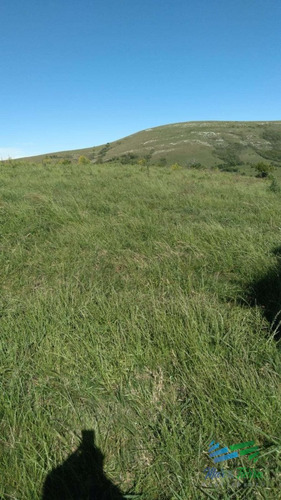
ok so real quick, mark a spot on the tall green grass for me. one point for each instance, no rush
(124, 310)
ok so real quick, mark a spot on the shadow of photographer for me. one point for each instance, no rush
(81, 476)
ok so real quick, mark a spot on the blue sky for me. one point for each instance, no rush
(81, 73)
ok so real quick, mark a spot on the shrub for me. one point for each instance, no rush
(65, 162)
(195, 164)
(175, 166)
(162, 162)
(263, 169)
(128, 158)
(83, 160)
(270, 154)
(142, 162)
(228, 168)
(46, 161)
(274, 186)
(230, 154)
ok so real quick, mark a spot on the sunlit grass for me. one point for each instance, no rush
(124, 310)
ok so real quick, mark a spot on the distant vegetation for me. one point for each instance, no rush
(229, 146)
(230, 154)
(273, 137)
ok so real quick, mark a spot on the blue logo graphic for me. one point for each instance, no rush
(219, 454)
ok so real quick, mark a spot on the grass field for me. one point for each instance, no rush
(132, 306)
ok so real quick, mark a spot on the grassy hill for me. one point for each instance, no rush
(205, 143)
(138, 305)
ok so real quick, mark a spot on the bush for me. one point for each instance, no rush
(104, 150)
(162, 162)
(175, 166)
(263, 169)
(274, 186)
(195, 164)
(65, 162)
(46, 161)
(230, 154)
(128, 158)
(228, 168)
(270, 154)
(83, 160)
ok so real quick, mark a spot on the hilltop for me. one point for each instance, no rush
(206, 143)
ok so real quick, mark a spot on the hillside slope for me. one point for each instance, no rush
(208, 143)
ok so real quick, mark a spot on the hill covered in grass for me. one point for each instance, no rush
(190, 143)
(137, 305)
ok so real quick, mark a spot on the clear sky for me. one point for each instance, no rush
(81, 73)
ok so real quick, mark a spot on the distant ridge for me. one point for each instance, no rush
(208, 143)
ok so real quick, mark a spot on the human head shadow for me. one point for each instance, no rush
(266, 293)
(81, 476)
